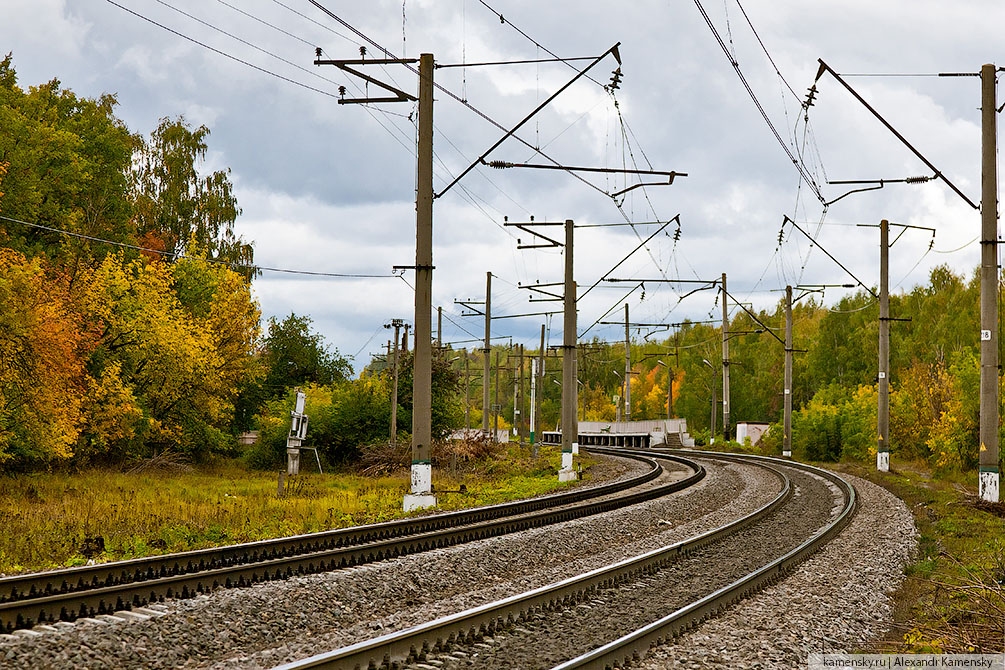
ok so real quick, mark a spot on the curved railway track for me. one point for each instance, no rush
(595, 620)
(69, 594)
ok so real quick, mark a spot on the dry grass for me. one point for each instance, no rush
(952, 600)
(60, 519)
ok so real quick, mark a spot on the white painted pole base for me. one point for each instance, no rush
(883, 461)
(422, 485)
(989, 486)
(575, 447)
(567, 474)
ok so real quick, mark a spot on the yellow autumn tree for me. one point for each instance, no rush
(165, 358)
(42, 375)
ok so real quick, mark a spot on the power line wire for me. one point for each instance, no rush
(757, 103)
(453, 95)
(540, 46)
(161, 252)
(223, 53)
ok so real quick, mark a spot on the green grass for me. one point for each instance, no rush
(50, 520)
(952, 600)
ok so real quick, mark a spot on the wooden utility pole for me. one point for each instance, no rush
(883, 410)
(725, 361)
(570, 425)
(628, 369)
(486, 349)
(787, 392)
(988, 454)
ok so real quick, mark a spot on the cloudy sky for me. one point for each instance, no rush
(330, 188)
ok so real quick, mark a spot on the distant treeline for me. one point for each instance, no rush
(934, 374)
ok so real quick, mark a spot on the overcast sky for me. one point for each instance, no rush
(330, 188)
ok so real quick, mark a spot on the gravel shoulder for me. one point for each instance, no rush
(837, 601)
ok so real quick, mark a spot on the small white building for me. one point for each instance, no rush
(753, 431)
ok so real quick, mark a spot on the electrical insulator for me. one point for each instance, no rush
(341, 91)
(810, 96)
(362, 52)
(317, 52)
(917, 180)
(615, 79)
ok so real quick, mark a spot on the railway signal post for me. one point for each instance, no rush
(297, 434)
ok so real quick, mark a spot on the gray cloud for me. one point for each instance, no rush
(330, 187)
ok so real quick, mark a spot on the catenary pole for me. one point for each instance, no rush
(988, 454)
(486, 350)
(539, 377)
(787, 392)
(725, 361)
(422, 476)
(396, 323)
(495, 405)
(883, 410)
(523, 388)
(467, 392)
(570, 424)
(628, 369)
(533, 402)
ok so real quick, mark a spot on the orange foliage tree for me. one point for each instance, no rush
(43, 344)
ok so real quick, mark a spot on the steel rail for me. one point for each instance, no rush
(400, 647)
(633, 646)
(106, 574)
(139, 581)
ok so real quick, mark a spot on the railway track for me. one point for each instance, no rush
(69, 594)
(609, 616)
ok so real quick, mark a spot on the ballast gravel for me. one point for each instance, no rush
(835, 602)
(277, 622)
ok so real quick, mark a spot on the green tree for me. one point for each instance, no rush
(67, 160)
(177, 209)
(447, 390)
(297, 355)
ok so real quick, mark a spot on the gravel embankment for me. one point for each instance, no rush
(548, 638)
(835, 602)
(272, 623)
